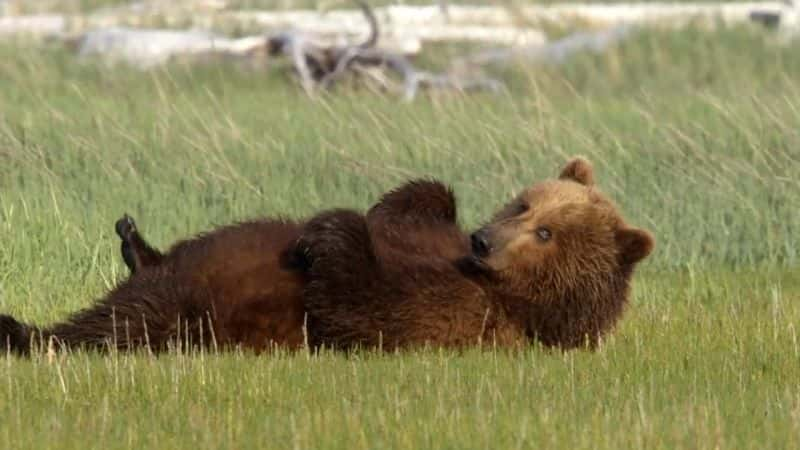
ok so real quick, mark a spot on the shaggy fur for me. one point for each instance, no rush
(232, 287)
(554, 265)
(417, 220)
(404, 274)
(235, 286)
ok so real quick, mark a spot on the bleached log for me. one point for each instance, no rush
(426, 28)
(652, 14)
(409, 18)
(147, 48)
(556, 52)
(398, 33)
(36, 26)
(405, 28)
(596, 14)
(365, 60)
(431, 16)
(657, 13)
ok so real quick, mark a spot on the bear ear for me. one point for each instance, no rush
(578, 170)
(634, 245)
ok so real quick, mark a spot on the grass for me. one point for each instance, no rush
(695, 135)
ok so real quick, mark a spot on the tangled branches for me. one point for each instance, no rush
(319, 67)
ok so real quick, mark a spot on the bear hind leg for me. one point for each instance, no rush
(136, 252)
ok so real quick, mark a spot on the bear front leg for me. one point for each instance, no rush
(344, 280)
(334, 241)
(421, 202)
(136, 252)
(417, 219)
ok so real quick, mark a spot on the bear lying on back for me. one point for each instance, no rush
(554, 265)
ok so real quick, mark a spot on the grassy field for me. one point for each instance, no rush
(695, 135)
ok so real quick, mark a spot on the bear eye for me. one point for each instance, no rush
(522, 208)
(544, 234)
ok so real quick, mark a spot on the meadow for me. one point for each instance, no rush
(694, 134)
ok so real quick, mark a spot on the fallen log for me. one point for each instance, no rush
(341, 26)
(360, 61)
(410, 19)
(145, 49)
(553, 53)
(36, 26)
(603, 15)
(319, 67)
(414, 24)
(591, 14)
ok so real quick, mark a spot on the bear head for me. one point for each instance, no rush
(561, 256)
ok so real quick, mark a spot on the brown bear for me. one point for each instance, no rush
(554, 266)
(243, 285)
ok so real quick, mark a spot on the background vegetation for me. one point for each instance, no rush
(694, 134)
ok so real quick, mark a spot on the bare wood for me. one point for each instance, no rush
(435, 22)
(552, 53)
(148, 48)
(319, 67)
(39, 25)
(335, 26)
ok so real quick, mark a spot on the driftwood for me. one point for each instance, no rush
(413, 79)
(594, 14)
(455, 22)
(319, 67)
(148, 48)
(320, 48)
(319, 64)
(406, 17)
(334, 26)
(428, 28)
(552, 53)
(39, 25)
(406, 28)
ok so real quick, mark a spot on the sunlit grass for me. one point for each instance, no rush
(694, 135)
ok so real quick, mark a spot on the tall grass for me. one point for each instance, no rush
(695, 135)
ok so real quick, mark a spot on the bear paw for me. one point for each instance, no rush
(418, 201)
(125, 227)
(337, 237)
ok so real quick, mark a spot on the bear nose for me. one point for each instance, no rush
(480, 243)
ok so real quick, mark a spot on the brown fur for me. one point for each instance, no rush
(396, 220)
(403, 275)
(235, 286)
(554, 265)
(231, 287)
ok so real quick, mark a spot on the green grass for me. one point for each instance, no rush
(695, 136)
